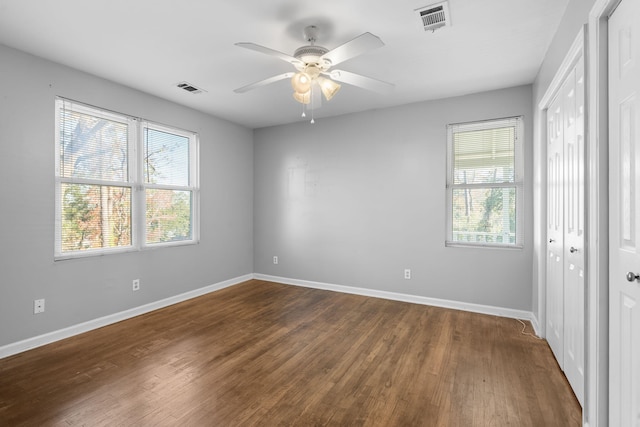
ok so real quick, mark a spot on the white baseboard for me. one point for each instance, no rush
(536, 325)
(40, 340)
(457, 305)
(29, 343)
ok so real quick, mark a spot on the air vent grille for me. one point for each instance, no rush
(434, 16)
(189, 87)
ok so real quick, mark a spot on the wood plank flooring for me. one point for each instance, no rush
(267, 354)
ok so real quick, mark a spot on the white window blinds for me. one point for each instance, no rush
(484, 183)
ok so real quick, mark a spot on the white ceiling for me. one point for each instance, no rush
(151, 45)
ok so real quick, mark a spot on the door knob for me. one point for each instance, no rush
(631, 276)
(572, 250)
(551, 240)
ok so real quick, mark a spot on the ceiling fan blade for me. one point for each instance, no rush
(361, 44)
(361, 81)
(264, 82)
(288, 58)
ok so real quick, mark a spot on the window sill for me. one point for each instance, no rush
(482, 246)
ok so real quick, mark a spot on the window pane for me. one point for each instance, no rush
(92, 147)
(484, 156)
(95, 216)
(166, 158)
(168, 215)
(484, 215)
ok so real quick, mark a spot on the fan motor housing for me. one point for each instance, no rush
(310, 54)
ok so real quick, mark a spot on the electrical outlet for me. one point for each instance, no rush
(407, 273)
(136, 285)
(275, 259)
(38, 306)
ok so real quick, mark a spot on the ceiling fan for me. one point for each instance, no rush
(314, 68)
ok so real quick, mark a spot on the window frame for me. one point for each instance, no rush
(193, 185)
(134, 181)
(518, 184)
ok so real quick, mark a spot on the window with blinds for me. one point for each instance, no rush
(110, 198)
(484, 183)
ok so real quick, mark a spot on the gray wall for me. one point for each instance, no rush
(354, 200)
(84, 289)
(350, 200)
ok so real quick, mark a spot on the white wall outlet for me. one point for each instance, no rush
(407, 273)
(275, 259)
(38, 306)
(136, 285)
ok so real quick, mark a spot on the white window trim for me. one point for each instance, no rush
(518, 184)
(135, 182)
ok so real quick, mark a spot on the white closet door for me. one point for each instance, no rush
(565, 227)
(624, 216)
(555, 229)
(574, 214)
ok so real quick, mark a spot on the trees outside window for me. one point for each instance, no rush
(109, 199)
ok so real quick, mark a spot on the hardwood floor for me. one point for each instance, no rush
(262, 353)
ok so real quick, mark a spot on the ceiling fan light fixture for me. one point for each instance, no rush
(302, 97)
(328, 87)
(312, 71)
(301, 82)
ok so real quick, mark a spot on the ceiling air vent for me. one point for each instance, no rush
(434, 16)
(189, 87)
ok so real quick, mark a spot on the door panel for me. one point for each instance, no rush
(624, 179)
(574, 231)
(555, 229)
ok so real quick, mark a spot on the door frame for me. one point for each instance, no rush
(576, 51)
(540, 168)
(596, 387)
(596, 397)
(597, 324)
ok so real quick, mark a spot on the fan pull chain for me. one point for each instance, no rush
(312, 119)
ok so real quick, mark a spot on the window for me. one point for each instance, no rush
(484, 183)
(121, 183)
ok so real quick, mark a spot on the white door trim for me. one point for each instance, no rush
(575, 52)
(596, 406)
(596, 410)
